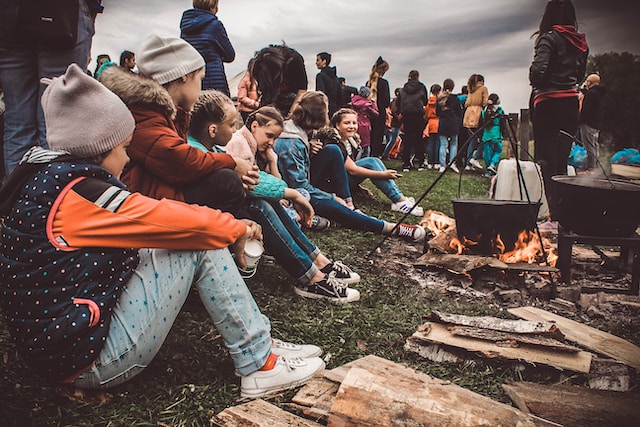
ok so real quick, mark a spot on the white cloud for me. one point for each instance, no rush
(440, 38)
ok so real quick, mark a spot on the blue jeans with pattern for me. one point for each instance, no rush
(152, 299)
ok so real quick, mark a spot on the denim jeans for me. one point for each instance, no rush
(432, 149)
(387, 186)
(284, 239)
(21, 69)
(475, 148)
(364, 152)
(152, 299)
(452, 143)
(391, 136)
(327, 171)
(336, 211)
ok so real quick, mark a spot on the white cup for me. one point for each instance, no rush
(253, 250)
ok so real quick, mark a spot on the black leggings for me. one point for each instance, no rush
(221, 189)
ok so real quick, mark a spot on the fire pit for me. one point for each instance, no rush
(482, 221)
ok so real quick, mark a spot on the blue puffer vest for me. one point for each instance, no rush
(57, 302)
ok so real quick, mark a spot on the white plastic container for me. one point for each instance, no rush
(507, 184)
(253, 251)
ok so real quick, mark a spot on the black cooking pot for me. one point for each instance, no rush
(592, 206)
(481, 220)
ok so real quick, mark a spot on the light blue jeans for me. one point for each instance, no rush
(387, 186)
(452, 143)
(21, 69)
(152, 299)
(284, 239)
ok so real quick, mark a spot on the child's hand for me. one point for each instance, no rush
(315, 145)
(254, 231)
(248, 172)
(304, 209)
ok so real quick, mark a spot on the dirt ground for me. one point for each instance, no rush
(610, 311)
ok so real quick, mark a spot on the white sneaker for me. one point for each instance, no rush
(408, 204)
(430, 166)
(455, 168)
(441, 169)
(475, 163)
(287, 373)
(289, 350)
(468, 168)
(414, 233)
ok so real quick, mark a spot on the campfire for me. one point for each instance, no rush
(527, 248)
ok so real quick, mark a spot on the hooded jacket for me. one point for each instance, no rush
(474, 104)
(559, 61)
(162, 163)
(205, 32)
(413, 97)
(367, 111)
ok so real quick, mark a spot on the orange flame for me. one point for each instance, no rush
(528, 249)
(436, 222)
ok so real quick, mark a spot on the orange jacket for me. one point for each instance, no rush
(431, 116)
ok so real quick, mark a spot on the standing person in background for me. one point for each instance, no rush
(345, 92)
(431, 130)
(281, 77)
(203, 30)
(327, 80)
(102, 58)
(449, 113)
(128, 60)
(393, 130)
(367, 112)
(493, 134)
(591, 118)
(248, 93)
(412, 99)
(381, 95)
(558, 66)
(23, 62)
(476, 101)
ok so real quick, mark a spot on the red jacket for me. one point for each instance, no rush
(162, 163)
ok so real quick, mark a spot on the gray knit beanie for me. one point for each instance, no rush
(83, 117)
(364, 91)
(165, 59)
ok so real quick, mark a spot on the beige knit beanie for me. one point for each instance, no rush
(83, 117)
(165, 59)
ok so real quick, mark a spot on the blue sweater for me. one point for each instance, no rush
(204, 31)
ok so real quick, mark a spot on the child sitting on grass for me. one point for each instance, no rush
(94, 276)
(212, 123)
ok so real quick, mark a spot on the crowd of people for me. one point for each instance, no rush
(108, 227)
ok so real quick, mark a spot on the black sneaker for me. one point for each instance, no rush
(341, 272)
(328, 288)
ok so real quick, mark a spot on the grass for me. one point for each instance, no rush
(192, 377)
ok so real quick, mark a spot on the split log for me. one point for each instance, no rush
(575, 406)
(495, 323)
(387, 394)
(458, 264)
(586, 336)
(442, 241)
(439, 334)
(259, 413)
(315, 399)
(505, 339)
(609, 374)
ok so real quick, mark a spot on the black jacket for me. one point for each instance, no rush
(557, 64)
(413, 97)
(327, 82)
(592, 107)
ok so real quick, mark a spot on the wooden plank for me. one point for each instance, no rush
(495, 323)
(505, 339)
(389, 394)
(338, 374)
(315, 399)
(258, 413)
(575, 406)
(591, 338)
(439, 334)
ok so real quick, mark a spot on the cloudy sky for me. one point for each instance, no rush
(439, 38)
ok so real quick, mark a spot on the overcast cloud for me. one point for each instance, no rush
(439, 38)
